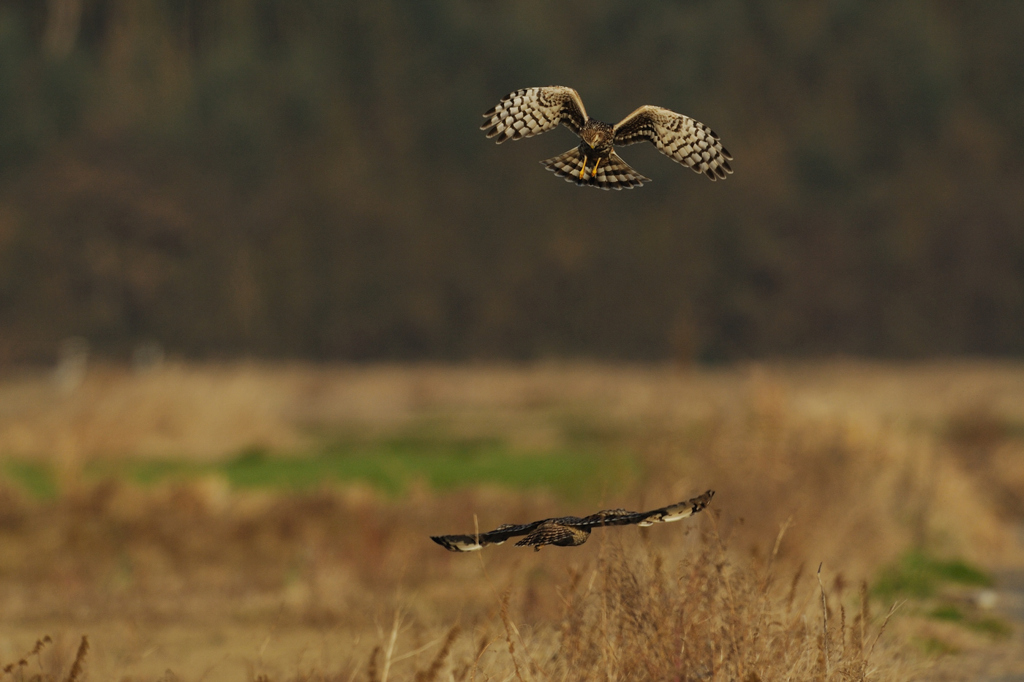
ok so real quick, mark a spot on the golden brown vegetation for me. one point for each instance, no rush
(854, 463)
(212, 410)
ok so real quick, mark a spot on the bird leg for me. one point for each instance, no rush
(584, 169)
(594, 172)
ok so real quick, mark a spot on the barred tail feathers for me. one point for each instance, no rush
(567, 165)
(612, 173)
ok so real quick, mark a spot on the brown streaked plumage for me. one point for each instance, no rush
(531, 111)
(571, 531)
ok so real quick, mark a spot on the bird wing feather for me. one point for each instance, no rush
(551, 531)
(678, 511)
(531, 111)
(610, 517)
(473, 542)
(680, 138)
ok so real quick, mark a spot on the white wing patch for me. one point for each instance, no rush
(676, 512)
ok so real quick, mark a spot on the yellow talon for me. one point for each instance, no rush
(594, 172)
(584, 169)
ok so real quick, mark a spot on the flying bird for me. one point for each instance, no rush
(571, 531)
(531, 111)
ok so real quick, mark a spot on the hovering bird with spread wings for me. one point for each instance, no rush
(531, 111)
(571, 531)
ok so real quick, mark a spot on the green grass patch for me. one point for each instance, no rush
(37, 479)
(992, 626)
(947, 612)
(933, 646)
(393, 465)
(387, 464)
(919, 575)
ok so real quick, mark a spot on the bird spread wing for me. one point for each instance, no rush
(556, 530)
(610, 517)
(532, 111)
(675, 512)
(678, 137)
(471, 543)
(621, 517)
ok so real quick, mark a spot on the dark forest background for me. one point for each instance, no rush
(305, 178)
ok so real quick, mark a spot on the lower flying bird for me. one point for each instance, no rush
(570, 531)
(531, 111)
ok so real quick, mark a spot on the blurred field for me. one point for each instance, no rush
(238, 521)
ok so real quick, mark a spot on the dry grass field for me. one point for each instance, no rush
(270, 522)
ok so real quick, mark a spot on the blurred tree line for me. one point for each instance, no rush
(305, 178)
